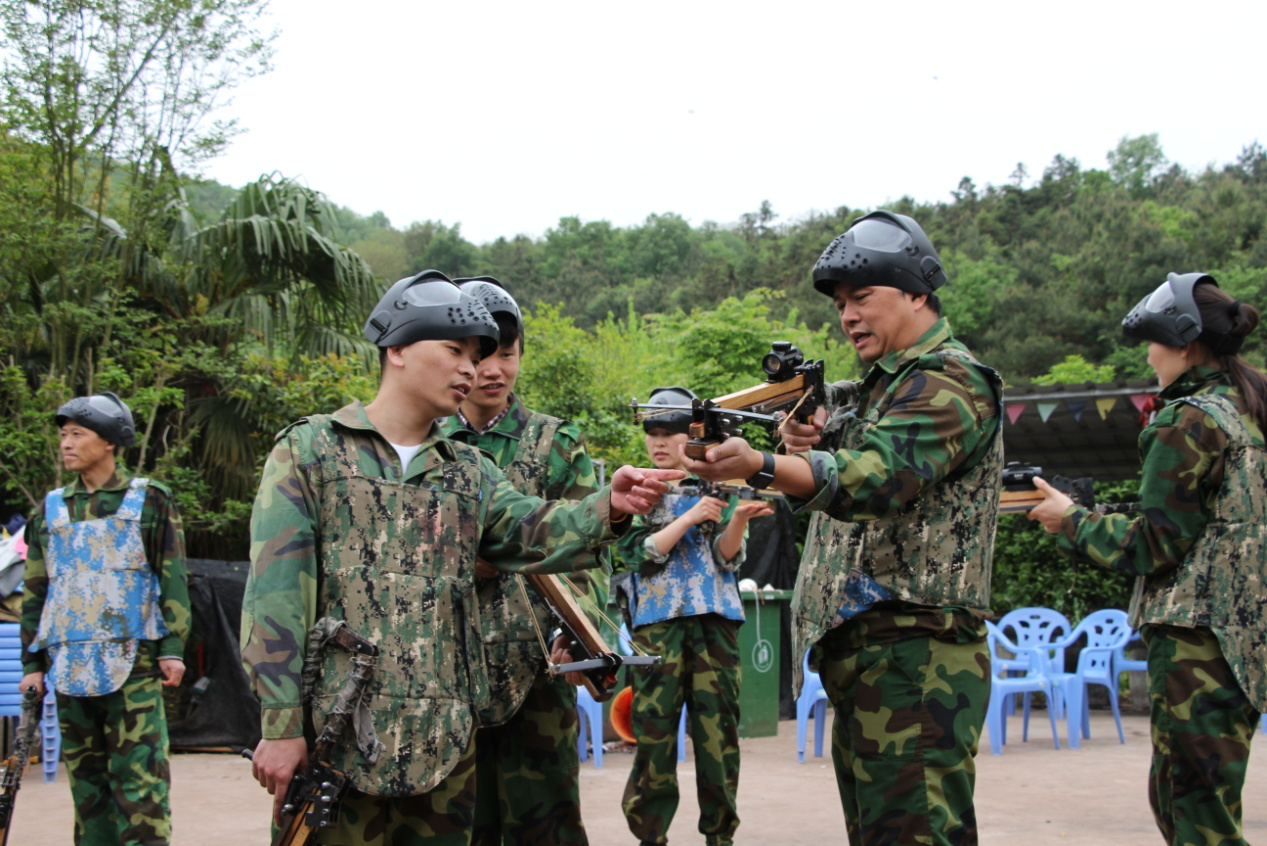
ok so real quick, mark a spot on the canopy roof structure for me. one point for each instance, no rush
(1077, 430)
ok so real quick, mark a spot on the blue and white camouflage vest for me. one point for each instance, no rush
(102, 598)
(691, 583)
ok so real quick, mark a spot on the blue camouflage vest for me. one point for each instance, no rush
(102, 598)
(691, 583)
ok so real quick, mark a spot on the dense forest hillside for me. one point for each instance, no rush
(223, 313)
(1076, 245)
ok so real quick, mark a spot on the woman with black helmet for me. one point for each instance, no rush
(1198, 546)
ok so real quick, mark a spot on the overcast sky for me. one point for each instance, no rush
(504, 117)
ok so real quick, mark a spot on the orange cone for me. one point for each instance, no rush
(622, 715)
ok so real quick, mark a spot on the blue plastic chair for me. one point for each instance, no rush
(590, 714)
(1034, 679)
(1122, 664)
(1106, 632)
(1033, 627)
(10, 669)
(811, 702)
(51, 730)
(626, 648)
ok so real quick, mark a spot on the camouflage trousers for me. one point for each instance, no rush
(908, 717)
(1202, 725)
(701, 671)
(527, 773)
(442, 816)
(115, 749)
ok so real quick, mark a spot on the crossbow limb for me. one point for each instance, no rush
(593, 658)
(793, 385)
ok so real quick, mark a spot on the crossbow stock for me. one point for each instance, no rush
(1019, 493)
(793, 385)
(593, 658)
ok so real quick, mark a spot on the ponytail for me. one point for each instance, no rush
(1225, 323)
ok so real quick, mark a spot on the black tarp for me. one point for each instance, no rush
(218, 708)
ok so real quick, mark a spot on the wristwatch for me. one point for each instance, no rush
(764, 477)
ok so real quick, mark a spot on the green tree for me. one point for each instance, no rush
(1137, 162)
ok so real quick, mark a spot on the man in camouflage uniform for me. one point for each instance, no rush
(526, 763)
(684, 605)
(371, 517)
(105, 617)
(1198, 547)
(895, 578)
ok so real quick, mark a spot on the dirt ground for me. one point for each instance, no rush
(1031, 794)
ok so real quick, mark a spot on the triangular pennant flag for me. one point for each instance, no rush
(1014, 410)
(1105, 405)
(1077, 407)
(1140, 400)
(1046, 408)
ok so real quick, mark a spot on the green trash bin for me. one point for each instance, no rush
(759, 650)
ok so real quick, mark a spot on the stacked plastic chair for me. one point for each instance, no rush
(811, 702)
(11, 698)
(1034, 678)
(1106, 632)
(1033, 627)
(51, 731)
(626, 648)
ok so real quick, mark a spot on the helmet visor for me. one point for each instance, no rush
(1161, 299)
(879, 235)
(423, 293)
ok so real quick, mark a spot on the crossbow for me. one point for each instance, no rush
(793, 385)
(594, 659)
(15, 764)
(1019, 493)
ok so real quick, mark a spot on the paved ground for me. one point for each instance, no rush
(1032, 794)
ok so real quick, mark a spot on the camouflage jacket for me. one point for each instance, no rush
(1199, 543)
(692, 578)
(909, 500)
(164, 540)
(339, 529)
(543, 456)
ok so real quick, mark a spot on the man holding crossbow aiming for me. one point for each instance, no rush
(895, 578)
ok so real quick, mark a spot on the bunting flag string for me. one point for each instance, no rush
(1104, 405)
(1014, 410)
(1046, 408)
(1140, 400)
(1077, 407)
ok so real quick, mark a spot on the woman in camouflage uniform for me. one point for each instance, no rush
(685, 606)
(1197, 548)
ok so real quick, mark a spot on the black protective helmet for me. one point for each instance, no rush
(495, 298)
(429, 307)
(1170, 316)
(678, 420)
(103, 413)
(881, 248)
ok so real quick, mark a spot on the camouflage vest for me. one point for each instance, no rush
(397, 563)
(1222, 582)
(511, 649)
(690, 583)
(936, 551)
(102, 597)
